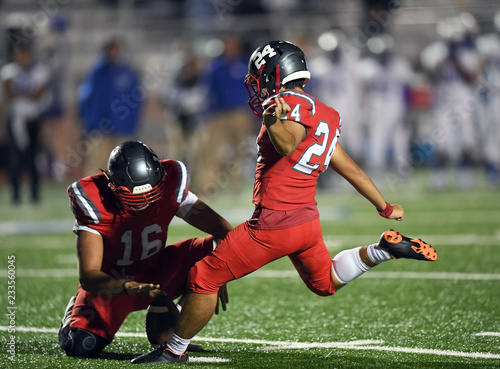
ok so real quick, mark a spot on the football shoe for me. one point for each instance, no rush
(161, 355)
(161, 319)
(400, 246)
(64, 327)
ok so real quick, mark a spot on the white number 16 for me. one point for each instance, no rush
(149, 247)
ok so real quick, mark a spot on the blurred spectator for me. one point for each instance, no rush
(110, 104)
(454, 65)
(56, 54)
(334, 81)
(25, 85)
(378, 15)
(489, 48)
(186, 99)
(229, 125)
(386, 77)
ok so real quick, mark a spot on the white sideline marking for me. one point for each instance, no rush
(35, 227)
(63, 273)
(387, 275)
(409, 350)
(242, 214)
(67, 258)
(488, 334)
(42, 273)
(286, 345)
(437, 240)
(208, 360)
(417, 275)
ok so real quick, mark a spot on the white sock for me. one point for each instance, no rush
(177, 344)
(347, 265)
(376, 254)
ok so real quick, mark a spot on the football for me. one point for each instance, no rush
(161, 319)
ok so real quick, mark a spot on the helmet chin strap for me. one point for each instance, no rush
(278, 79)
(110, 184)
(138, 208)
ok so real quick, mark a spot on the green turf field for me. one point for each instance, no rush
(402, 314)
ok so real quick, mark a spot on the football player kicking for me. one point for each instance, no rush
(122, 218)
(298, 140)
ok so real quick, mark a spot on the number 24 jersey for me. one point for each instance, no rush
(289, 182)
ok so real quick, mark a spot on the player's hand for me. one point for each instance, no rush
(279, 108)
(223, 299)
(142, 289)
(397, 212)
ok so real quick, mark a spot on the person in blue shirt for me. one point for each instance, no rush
(110, 102)
(227, 135)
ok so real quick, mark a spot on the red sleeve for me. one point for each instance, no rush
(84, 199)
(302, 106)
(177, 172)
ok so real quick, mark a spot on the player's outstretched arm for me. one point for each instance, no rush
(90, 253)
(347, 168)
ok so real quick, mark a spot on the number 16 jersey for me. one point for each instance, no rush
(130, 239)
(289, 182)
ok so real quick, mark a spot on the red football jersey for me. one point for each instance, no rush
(130, 239)
(289, 182)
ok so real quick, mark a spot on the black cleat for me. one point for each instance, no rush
(193, 347)
(161, 355)
(400, 246)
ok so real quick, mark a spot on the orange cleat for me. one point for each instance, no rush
(400, 246)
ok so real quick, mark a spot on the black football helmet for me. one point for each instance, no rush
(135, 174)
(270, 67)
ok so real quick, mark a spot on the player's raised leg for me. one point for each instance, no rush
(350, 264)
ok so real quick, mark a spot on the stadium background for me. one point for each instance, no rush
(442, 315)
(160, 35)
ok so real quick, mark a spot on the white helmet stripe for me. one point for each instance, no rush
(183, 183)
(301, 74)
(85, 203)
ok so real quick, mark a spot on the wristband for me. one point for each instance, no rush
(386, 213)
(124, 288)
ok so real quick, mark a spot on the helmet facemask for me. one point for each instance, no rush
(135, 175)
(256, 95)
(138, 199)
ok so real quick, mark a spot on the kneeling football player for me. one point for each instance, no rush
(122, 218)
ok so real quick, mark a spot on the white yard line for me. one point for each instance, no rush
(289, 345)
(333, 242)
(42, 273)
(198, 359)
(35, 227)
(410, 350)
(263, 273)
(488, 334)
(437, 240)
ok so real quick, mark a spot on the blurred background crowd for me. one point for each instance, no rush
(417, 85)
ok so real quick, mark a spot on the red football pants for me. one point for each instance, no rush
(245, 250)
(104, 313)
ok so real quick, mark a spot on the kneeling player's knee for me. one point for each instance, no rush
(82, 343)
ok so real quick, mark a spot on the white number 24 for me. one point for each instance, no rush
(318, 150)
(259, 60)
